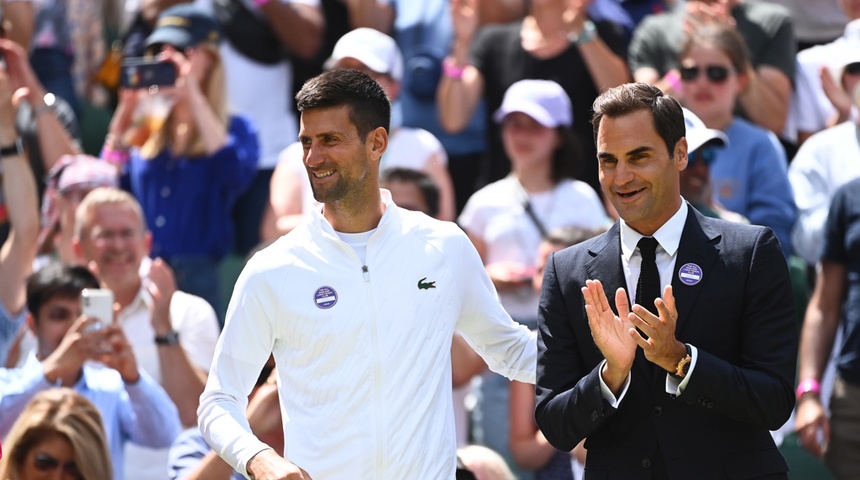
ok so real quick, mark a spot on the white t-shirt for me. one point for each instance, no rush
(496, 214)
(264, 94)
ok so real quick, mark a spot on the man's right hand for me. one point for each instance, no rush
(268, 465)
(611, 333)
(810, 419)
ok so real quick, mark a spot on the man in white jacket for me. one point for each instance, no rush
(358, 305)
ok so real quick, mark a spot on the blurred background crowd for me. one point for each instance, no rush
(160, 189)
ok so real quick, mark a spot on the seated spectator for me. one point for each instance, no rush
(172, 333)
(60, 433)
(189, 170)
(133, 406)
(766, 30)
(69, 181)
(507, 219)
(825, 162)
(750, 173)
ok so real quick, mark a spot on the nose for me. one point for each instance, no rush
(623, 173)
(312, 158)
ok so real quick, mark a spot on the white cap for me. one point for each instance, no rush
(543, 100)
(698, 134)
(371, 47)
(847, 53)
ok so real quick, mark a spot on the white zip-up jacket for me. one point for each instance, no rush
(362, 350)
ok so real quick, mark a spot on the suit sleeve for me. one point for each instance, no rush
(759, 389)
(569, 404)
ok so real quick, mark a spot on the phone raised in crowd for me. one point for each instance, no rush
(97, 303)
(139, 72)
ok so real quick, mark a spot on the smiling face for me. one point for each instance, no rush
(114, 238)
(342, 167)
(637, 173)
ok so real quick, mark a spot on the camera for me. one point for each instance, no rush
(139, 72)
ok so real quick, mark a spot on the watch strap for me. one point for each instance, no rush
(15, 148)
(684, 365)
(170, 338)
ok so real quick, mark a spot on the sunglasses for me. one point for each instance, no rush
(715, 73)
(703, 154)
(46, 463)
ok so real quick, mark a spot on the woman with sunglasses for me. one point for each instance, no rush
(58, 436)
(182, 154)
(749, 175)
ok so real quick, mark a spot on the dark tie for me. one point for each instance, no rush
(648, 286)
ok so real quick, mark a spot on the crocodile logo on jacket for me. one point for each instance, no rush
(422, 285)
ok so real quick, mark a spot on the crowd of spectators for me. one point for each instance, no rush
(151, 192)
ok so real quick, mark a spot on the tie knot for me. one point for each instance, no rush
(648, 248)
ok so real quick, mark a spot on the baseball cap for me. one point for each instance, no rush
(698, 134)
(371, 47)
(184, 25)
(848, 53)
(543, 100)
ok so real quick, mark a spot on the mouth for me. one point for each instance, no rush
(630, 194)
(322, 174)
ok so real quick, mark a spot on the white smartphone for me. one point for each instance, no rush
(97, 303)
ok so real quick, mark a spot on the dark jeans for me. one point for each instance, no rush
(54, 69)
(248, 213)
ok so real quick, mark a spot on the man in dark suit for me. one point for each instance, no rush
(680, 387)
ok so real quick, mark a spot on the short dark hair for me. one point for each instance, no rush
(632, 97)
(420, 179)
(57, 280)
(369, 107)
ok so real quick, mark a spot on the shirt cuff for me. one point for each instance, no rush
(607, 393)
(676, 386)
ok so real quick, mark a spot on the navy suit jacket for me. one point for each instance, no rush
(740, 317)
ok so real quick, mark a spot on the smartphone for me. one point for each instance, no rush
(97, 303)
(139, 72)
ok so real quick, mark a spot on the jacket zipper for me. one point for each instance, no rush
(377, 374)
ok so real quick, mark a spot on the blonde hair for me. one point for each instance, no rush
(104, 196)
(63, 412)
(214, 88)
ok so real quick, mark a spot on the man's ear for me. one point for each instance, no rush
(681, 158)
(377, 143)
(31, 322)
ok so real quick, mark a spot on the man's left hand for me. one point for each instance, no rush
(661, 347)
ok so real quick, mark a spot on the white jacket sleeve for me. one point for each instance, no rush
(509, 348)
(240, 355)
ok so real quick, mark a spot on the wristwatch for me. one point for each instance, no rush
(15, 148)
(684, 365)
(169, 339)
(588, 33)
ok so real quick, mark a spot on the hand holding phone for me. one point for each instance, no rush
(97, 303)
(139, 72)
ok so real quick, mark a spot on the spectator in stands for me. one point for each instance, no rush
(558, 40)
(750, 173)
(59, 434)
(133, 406)
(188, 163)
(766, 29)
(172, 333)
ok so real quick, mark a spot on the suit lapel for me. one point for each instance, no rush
(605, 264)
(698, 248)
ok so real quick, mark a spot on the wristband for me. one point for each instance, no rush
(115, 156)
(674, 80)
(808, 385)
(450, 70)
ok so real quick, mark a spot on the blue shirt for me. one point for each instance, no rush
(186, 454)
(187, 201)
(842, 245)
(750, 177)
(141, 413)
(9, 327)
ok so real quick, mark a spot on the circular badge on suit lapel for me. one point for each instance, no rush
(325, 297)
(690, 274)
